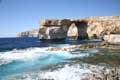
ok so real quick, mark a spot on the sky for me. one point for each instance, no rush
(21, 15)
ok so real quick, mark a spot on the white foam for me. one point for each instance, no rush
(36, 53)
(74, 72)
(66, 73)
(33, 54)
(20, 55)
(93, 50)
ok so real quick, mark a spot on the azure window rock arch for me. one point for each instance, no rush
(77, 30)
(72, 32)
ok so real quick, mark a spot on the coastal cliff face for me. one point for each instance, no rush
(84, 28)
(30, 33)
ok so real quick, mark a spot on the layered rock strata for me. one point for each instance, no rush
(91, 27)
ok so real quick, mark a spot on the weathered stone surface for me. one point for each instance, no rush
(55, 22)
(50, 22)
(30, 33)
(91, 26)
(73, 31)
(102, 25)
(52, 33)
(112, 38)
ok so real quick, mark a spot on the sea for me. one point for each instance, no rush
(29, 59)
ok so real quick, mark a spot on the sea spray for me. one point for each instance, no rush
(17, 61)
(67, 72)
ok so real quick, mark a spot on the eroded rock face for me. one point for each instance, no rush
(86, 27)
(55, 22)
(73, 31)
(102, 25)
(52, 33)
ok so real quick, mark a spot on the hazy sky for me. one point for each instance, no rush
(21, 15)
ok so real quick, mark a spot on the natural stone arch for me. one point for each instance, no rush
(82, 29)
(78, 30)
(72, 32)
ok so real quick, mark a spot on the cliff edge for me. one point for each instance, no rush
(29, 33)
(83, 28)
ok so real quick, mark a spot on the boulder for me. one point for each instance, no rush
(112, 38)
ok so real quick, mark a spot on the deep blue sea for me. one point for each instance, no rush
(21, 43)
(29, 59)
(18, 43)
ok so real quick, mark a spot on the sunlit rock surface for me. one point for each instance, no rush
(29, 33)
(112, 39)
(87, 27)
(52, 33)
(73, 31)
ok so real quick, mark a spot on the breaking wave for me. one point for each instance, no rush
(67, 72)
(19, 61)
(32, 54)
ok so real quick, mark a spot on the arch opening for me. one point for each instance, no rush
(77, 30)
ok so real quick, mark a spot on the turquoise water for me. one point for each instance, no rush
(18, 55)
(18, 61)
(32, 62)
(37, 63)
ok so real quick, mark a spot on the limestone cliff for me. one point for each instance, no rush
(29, 33)
(86, 27)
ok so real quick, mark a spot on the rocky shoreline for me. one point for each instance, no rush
(112, 74)
(106, 29)
(83, 72)
(103, 44)
(90, 71)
